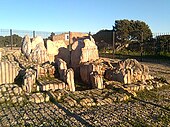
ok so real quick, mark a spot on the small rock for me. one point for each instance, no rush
(16, 99)
(38, 98)
(2, 99)
(17, 90)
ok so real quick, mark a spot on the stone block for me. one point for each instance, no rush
(87, 68)
(17, 90)
(29, 79)
(58, 49)
(83, 50)
(26, 46)
(96, 80)
(62, 67)
(38, 98)
(69, 79)
(16, 99)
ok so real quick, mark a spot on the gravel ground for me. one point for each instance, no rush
(149, 108)
(139, 111)
(159, 70)
(43, 114)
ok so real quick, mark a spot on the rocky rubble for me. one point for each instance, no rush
(114, 92)
(128, 71)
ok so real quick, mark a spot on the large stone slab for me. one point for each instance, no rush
(38, 42)
(46, 84)
(26, 46)
(88, 67)
(58, 49)
(83, 50)
(8, 71)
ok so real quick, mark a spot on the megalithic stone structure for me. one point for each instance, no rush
(8, 71)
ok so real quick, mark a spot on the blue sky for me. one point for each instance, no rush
(82, 15)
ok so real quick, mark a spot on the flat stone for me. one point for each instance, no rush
(3, 89)
(149, 87)
(86, 102)
(17, 90)
(38, 98)
(2, 99)
(70, 101)
(16, 99)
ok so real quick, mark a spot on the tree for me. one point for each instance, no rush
(104, 36)
(103, 39)
(51, 36)
(129, 31)
(6, 40)
(163, 44)
(17, 40)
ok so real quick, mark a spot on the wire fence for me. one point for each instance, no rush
(158, 45)
(13, 38)
(110, 44)
(31, 33)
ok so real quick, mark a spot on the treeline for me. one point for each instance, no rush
(133, 35)
(6, 40)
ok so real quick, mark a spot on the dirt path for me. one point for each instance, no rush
(160, 70)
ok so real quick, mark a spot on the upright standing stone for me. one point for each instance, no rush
(8, 71)
(39, 54)
(69, 79)
(37, 41)
(3, 72)
(62, 67)
(29, 80)
(26, 46)
(0, 74)
(96, 80)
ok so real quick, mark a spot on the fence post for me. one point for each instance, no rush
(113, 43)
(69, 34)
(69, 47)
(11, 37)
(33, 34)
(89, 34)
(141, 48)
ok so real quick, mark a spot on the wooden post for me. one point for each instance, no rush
(11, 38)
(69, 40)
(113, 44)
(70, 48)
(33, 34)
(141, 44)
